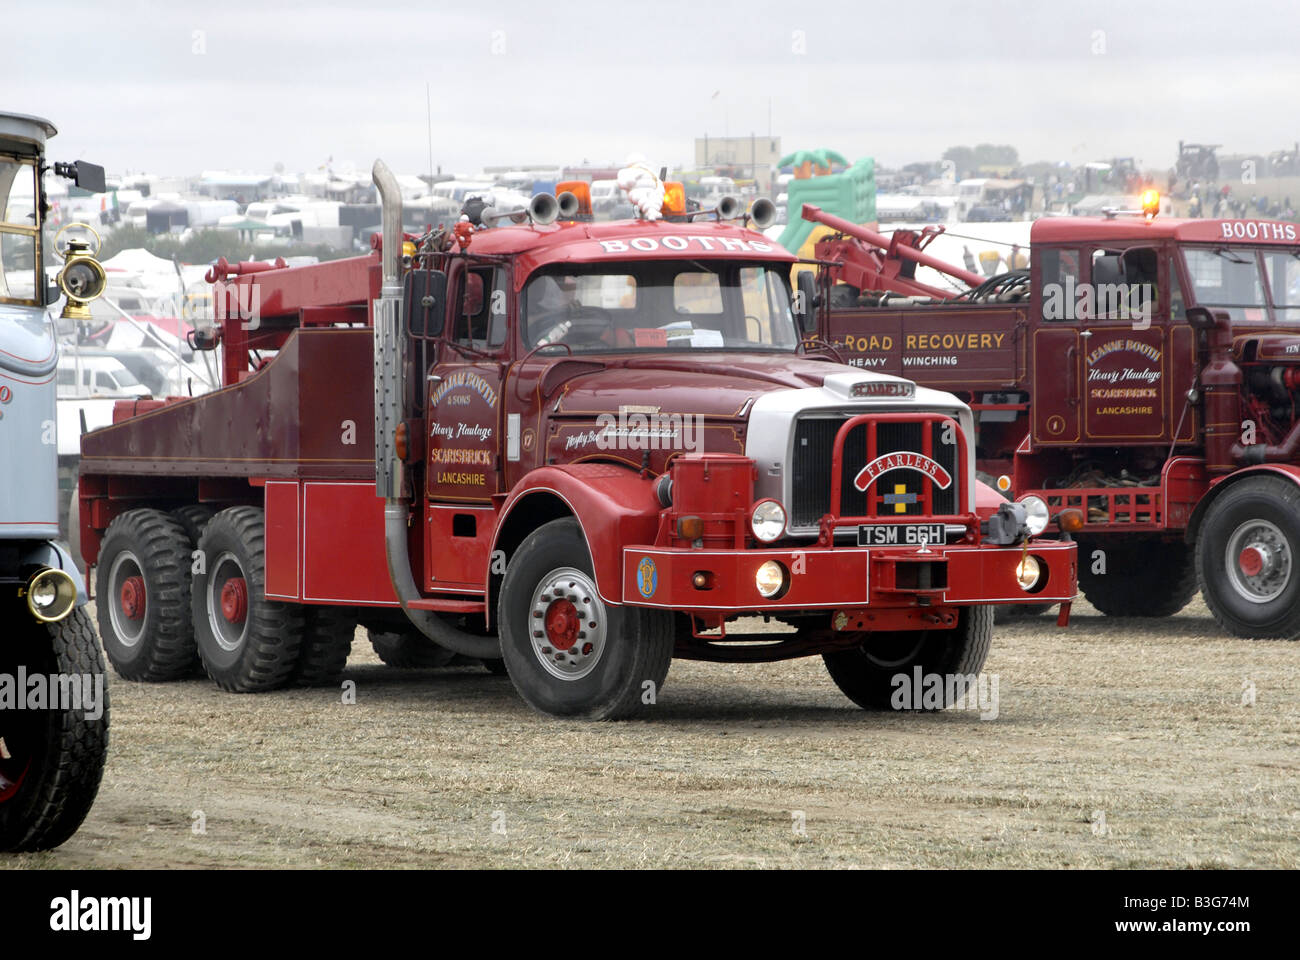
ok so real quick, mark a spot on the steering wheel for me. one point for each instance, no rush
(62, 254)
(587, 325)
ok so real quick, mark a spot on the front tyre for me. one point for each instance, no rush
(246, 642)
(1142, 579)
(1246, 555)
(568, 653)
(866, 673)
(51, 760)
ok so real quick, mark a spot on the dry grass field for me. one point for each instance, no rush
(1119, 743)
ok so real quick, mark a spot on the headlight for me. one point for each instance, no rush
(51, 595)
(768, 520)
(1028, 573)
(81, 280)
(1036, 514)
(770, 579)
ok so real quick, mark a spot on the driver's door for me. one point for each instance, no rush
(463, 387)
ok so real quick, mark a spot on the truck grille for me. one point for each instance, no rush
(810, 475)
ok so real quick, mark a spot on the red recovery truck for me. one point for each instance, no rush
(581, 448)
(1143, 370)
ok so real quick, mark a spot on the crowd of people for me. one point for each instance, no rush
(1210, 200)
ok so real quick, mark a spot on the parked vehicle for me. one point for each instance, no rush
(1143, 370)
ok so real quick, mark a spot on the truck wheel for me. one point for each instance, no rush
(246, 642)
(865, 673)
(142, 584)
(52, 760)
(1147, 579)
(193, 517)
(409, 650)
(326, 643)
(1246, 555)
(567, 652)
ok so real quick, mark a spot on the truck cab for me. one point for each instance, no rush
(1138, 371)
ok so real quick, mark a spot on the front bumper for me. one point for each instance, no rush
(823, 579)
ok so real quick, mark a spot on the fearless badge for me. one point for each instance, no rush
(903, 461)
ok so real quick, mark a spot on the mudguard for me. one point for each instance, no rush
(615, 507)
(1285, 470)
(50, 554)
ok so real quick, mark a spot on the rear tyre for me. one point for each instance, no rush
(1149, 579)
(866, 673)
(246, 642)
(193, 517)
(142, 585)
(567, 652)
(495, 667)
(1246, 555)
(326, 643)
(409, 650)
(52, 760)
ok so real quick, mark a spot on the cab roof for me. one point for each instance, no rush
(25, 132)
(534, 245)
(1127, 229)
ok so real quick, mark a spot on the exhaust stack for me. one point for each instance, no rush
(391, 481)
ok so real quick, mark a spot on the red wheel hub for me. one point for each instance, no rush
(132, 598)
(562, 624)
(1251, 561)
(234, 600)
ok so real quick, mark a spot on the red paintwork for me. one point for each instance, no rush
(1126, 229)
(325, 544)
(893, 248)
(844, 577)
(132, 599)
(223, 269)
(534, 246)
(234, 600)
(1251, 561)
(613, 505)
(562, 624)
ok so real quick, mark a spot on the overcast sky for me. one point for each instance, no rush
(179, 87)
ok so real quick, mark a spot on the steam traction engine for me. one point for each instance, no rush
(576, 449)
(53, 709)
(1143, 370)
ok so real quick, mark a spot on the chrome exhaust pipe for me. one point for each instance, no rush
(391, 480)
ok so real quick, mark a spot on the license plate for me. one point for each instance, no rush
(899, 534)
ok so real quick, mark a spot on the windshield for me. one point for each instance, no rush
(1231, 279)
(18, 231)
(658, 305)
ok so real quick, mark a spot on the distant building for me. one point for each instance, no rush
(752, 158)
